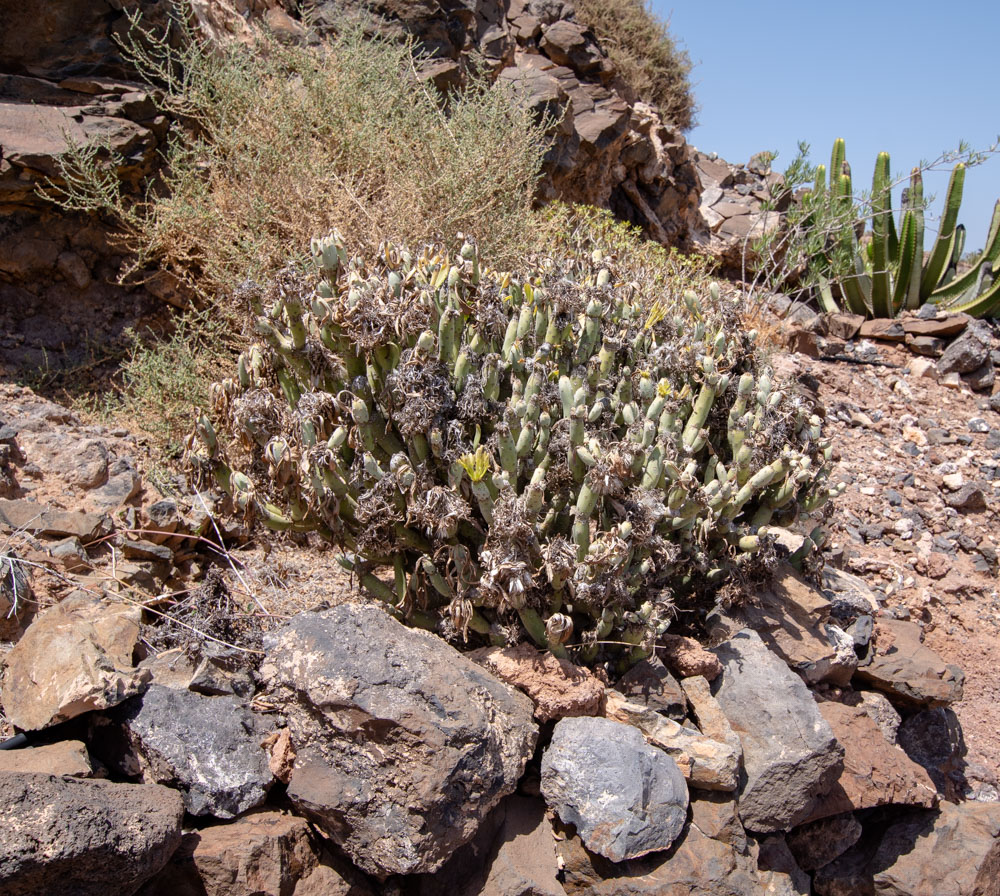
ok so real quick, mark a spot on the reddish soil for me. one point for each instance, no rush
(907, 446)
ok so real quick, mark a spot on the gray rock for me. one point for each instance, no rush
(625, 797)
(789, 752)
(968, 352)
(207, 747)
(881, 711)
(83, 837)
(404, 745)
(982, 378)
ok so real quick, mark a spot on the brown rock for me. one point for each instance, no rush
(27, 516)
(686, 657)
(714, 814)
(927, 346)
(694, 865)
(265, 852)
(17, 606)
(954, 849)
(940, 327)
(970, 498)
(68, 757)
(876, 772)
(842, 325)
(704, 762)
(908, 672)
(790, 618)
(74, 658)
(883, 329)
(820, 842)
(281, 754)
(567, 43)
(802, 342)
(513, 854)
(558, 688)
(649, 683)
(712, 721)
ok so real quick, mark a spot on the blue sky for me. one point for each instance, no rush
(909, 78)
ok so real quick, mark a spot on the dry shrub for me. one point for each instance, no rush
(283, 143)
(646, 56)
(578, 231)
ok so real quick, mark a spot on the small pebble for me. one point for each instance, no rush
(978, 424)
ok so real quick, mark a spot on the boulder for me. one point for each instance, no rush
(67, 757)
(875, 772)
(209, 748)
(84, 837)
(910, 674)
(557, 687)
(385, 716)
(790, 753)
(625, 797)
(704, 762)
(74, 658)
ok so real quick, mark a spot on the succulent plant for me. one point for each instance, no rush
(554, 455)
(891, 273)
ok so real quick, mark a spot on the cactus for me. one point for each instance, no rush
(892, 275)
(555, 456)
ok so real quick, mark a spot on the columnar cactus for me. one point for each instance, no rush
(892, 274)
(552, 455)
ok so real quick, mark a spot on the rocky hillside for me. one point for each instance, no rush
(67, 77)
(192, 706)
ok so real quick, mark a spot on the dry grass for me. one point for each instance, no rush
(279, 145)
(646, 56)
